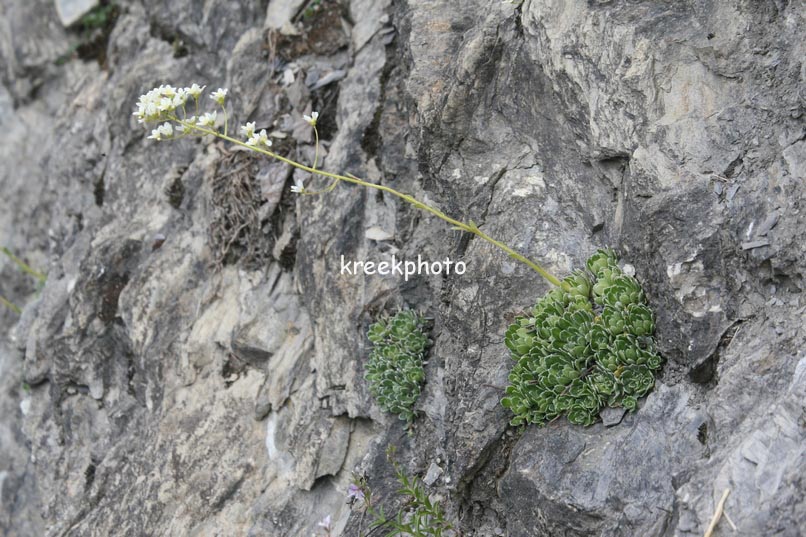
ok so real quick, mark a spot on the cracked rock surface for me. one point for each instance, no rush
(194, 363)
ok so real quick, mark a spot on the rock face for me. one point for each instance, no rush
(194, 363)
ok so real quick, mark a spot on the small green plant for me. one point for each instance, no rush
(586, 345)
(94, 29)
(394, 370)
(311, 9)
(99, 17)
(420, 516)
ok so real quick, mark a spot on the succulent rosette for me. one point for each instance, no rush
(588, 344)
(394, 370)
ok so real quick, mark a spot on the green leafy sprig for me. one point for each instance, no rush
(420, 516)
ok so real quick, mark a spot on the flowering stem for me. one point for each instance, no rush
(469, 228)
(224, 108)
(23, 265)
(10, 305)
(316, 147)
(331, 186)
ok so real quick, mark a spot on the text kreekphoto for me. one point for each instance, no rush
(400, 267)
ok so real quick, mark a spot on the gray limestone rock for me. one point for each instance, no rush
(71, 11)
(194, 363)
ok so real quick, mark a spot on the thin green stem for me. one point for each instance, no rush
(469, 228)
(13, 307)
(329, 188)
(315, 161)
(23, 265)
(316, 147)
(224, 108)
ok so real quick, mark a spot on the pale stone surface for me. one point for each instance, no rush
(71, 11)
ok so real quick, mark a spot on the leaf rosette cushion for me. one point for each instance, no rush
(587, 345)
(394, 370)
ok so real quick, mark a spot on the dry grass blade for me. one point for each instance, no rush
(720, 508)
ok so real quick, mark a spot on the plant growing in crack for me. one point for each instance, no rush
(585, 346)
(419, 516)
(394, 370)
(588, 343)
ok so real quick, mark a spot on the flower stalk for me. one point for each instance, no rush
(456, 224)
(10, 305)
(160, 104)
(23, 266)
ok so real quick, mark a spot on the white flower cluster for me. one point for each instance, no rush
(160, 102)
(255, 139)
(165, 130)
(207, 120)
(219, 96)
(298, 187)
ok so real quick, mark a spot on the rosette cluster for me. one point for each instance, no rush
(394, 370)
(586, 345)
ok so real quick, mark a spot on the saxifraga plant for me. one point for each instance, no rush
(586, 345)
(394, 370)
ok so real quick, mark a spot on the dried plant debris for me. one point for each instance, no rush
(237, 229)
(318, 30)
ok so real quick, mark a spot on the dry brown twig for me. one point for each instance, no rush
(720, 510)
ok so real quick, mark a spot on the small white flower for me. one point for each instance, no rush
(159, 103)
(166, 105)
(298, 187)
(207, 120)
(219, 95)
(168, 91)
(180, 98)
(248, 130)
(311, 119)
(259, 139)
(195, 91)
(165, 130)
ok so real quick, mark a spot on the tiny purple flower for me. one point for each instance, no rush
(354, 493)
